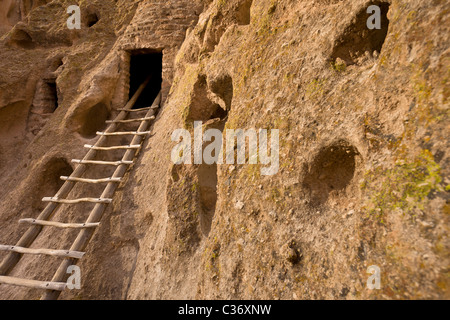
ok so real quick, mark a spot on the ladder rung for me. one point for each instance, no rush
(48, 252)
(64, 201)
(131, 133)
(59, 224)
(109, 163)
(131, 120)
(106, 180)
(140, 109)
(56, 286)
(136, 146)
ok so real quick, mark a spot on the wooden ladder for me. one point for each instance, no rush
(70, 257)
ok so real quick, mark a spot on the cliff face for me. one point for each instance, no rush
(363, 125)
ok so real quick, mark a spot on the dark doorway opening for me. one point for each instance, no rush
(145, 63)
(51, 97)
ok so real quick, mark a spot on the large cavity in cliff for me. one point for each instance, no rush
(357, 40)
(362, 161)
(216, 113)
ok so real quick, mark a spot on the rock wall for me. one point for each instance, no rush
(362, 116)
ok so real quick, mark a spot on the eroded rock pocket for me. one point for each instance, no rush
(21, 39)
(49, 182)
(224, 89)
(243, 12)
(92, 19)
(358, 41)
(331, 172)
(45, 103)
(91, 120)
(201, 107)
(210, 104)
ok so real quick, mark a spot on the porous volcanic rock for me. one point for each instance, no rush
(363, 125)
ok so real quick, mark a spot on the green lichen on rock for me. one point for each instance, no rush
(406, 186)
(316, 89)
(338, 66)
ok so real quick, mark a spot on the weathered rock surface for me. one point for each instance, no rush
(363, 120)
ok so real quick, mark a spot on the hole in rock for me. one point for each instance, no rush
(45, 100)
(212, 109)
(92, 19)
(357, 38)
(50, 97)
(22, 39)
(202, 108)
(93, 120)
(145, 63)
(223, 88)
(208, 179)
(243, 12)
(219, 113)
(331, 171)
(55, 64)
(49, 182)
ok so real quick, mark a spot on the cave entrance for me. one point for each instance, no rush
(50, 103)
(145, 63)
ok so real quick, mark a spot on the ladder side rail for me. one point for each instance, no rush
(11, 260)
(96, 214)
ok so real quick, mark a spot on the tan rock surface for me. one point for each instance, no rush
(363, 120)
